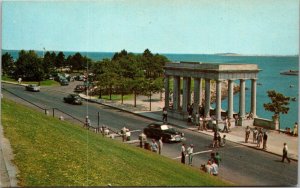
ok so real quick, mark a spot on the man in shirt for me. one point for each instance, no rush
(183, 153)
(285, 153)
(190, 151)
(214, 168)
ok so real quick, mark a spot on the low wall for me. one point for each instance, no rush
(264, 123)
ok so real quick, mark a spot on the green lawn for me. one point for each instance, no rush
(49, 152)
(43, 83)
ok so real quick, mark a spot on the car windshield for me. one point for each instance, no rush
(164, 127)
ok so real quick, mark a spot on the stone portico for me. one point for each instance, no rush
(183, 72)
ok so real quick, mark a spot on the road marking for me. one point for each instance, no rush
(135, 131)
(196, 153)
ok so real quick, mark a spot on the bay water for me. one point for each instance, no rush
(269, 78)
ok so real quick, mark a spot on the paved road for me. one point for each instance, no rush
(242, 165)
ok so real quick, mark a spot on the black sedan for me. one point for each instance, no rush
(161, 130)
(73, 99)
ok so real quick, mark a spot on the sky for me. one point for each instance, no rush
(254, 27)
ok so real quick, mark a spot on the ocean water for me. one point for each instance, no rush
(269, 77)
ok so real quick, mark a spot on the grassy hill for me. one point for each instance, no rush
(49, 152)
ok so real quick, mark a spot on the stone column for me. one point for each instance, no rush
(242, 98)
(189, 91)
(185, 94)
(230, 99)
(167, 92)
(176, 93)
(207, 98)
(196, 95)
(218, 99)
(253, 97)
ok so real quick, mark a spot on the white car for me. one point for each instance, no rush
(32, 87)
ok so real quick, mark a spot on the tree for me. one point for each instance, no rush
(8, 65)
(60, 60)
(48, 62)
(279, 104)
(29, 66)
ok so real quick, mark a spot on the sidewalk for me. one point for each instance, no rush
(274, 143)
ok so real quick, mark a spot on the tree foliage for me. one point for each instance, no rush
(8, 65)
(279, 103)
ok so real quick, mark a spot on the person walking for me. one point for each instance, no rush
(123, 132)
(143, 139)
(183, 150)
(265, 138)
(154, 146)
(160, 145)
(87, 123)
(165, 115)
(247, 132)
(190, 151)
(225, 125)
(259, 137)
(255, 132)
(285, 153)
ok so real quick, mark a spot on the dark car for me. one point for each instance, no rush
(64, 82)
(160, 129)
(79, 88)
(73, 99)
(32, 87)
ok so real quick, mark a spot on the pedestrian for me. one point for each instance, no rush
(165, 115)
(127, 135)
(190, 151)
(142, 138)
(20, 80)
(87, 122)
(295, 131)
(285, 153)
(197, 120)
(205, 124)
(259, 137)
(154, 146)
(123, 132)
(222, 144)
(201, 123)
(255, 132)
(247, 132)
(214, 168)
(236, 119)
(215, 139)
(225, 125)
(160, 145)
(189, 120)
(183, 150)
(265, 138)
(218, 158)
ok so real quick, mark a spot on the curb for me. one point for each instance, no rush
(176, 125)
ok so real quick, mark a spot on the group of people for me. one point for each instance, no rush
(213, 164)
(187, 151)
(260, 136)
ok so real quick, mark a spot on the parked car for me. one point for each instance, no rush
(79, 88)
(159, 129)
(32, 87)
(73, 99)
(64, 82)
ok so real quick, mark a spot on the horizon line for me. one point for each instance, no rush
(217, 53)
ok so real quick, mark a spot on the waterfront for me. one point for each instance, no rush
(269, 77)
